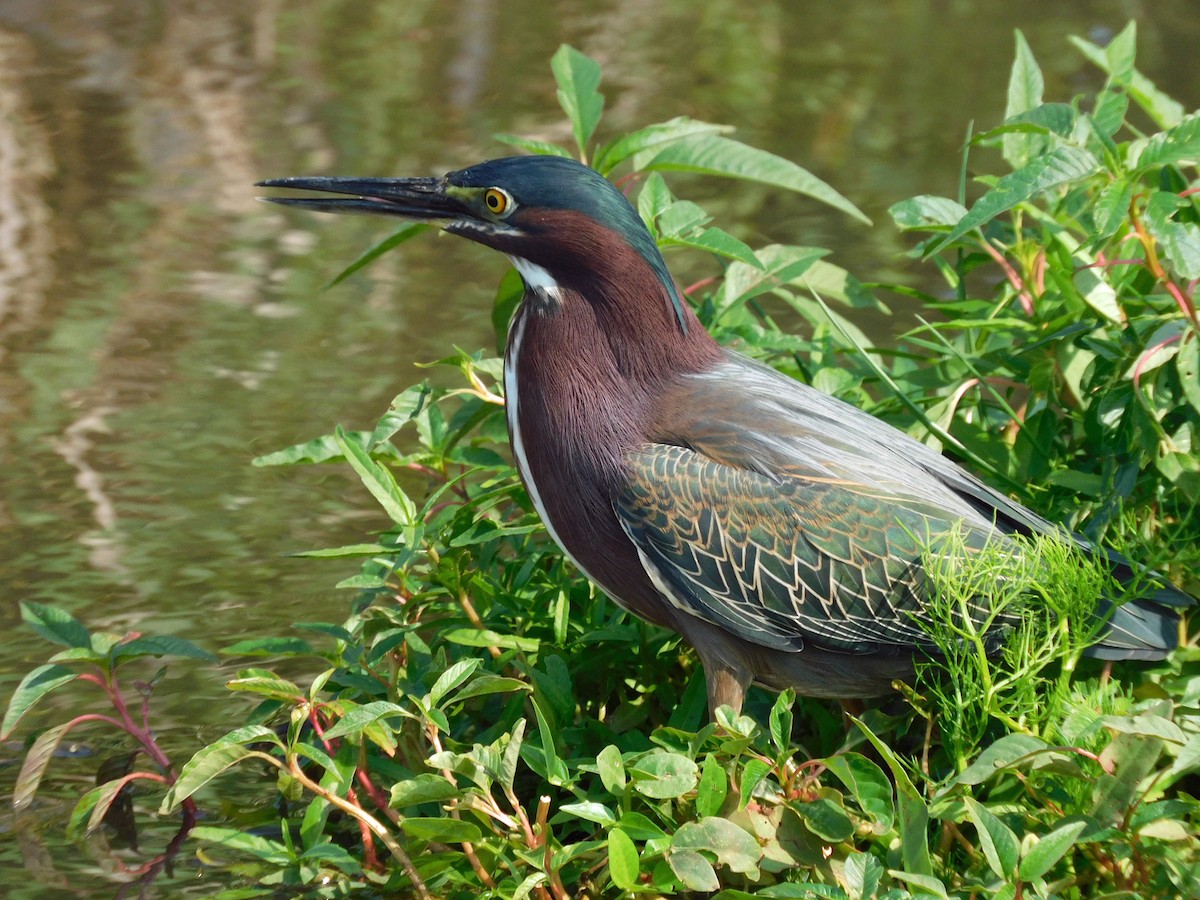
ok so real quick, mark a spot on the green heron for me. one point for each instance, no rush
(777, 529)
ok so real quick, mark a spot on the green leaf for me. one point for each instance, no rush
(640, 828)
(825, 819)
(1093, 286)
(652, 137)
(926, 211)
(33, 687)
(1111, 209)
(378, 480)
(1025, 84)
(868, 785)
(578, 78)
(1187, 361)
(623, 865)
(55, 625)
(426, 788)
(442, 830)
(716, 241)
(611, 770)
(928, 884)
(98, 801)
(275, 646)
(734, 847)
(716, 155)
(509, 760)
(779, 265)
(339, 857)
(159, 645)
(482, 637)
(1000, 845)
(262, 848)
(1049, 849)
(693, 870)
(713, 788)
(863, 873)
(590, 811)
(1176, 144)
(404, 233)
(753, 772)
(267, 684)
(357, 719)
(318, 450)
(556, 769)
(781, 720)
(913, 814)
(207, 764)
(1133, 756)
(1165, 111)
(1147, 725)
(489, 684)
(1000, 755)
(404, 408)
(529, 145)
(37, 759)
(1062, 165)
(663, 775)
(452, 678)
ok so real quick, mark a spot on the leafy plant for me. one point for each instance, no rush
(485, 722)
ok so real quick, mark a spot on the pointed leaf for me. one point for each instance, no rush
(578, 78)
(734, 847)
(926, 211)
(1062, 165)
(693, 870)
(33, 687)
(358, 718)
(1000, 845)
(207, 764)
(652, 137)
(714, 787)
(452, 678)
(913, 814)
(1049, 849)
(159, 645)
(1025, 84)
(716, 155)
(56, 625)
(1000, 755)
(442, 830)
(404, 233)
(254, 845)
(1176, 144)
(867, 784)
(612, 770)
(1164, 110)
(623, 864)
(378, 480)
(37, 759)
(426, 788)
(530, 145)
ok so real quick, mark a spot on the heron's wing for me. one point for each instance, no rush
(779, 562)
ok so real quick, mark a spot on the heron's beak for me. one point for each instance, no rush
(422, 199)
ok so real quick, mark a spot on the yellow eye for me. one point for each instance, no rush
(497, 201)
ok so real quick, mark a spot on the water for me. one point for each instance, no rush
(158, 328)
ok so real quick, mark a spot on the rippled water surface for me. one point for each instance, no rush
(159, 328)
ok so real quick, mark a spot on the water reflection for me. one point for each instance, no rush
(158, 328)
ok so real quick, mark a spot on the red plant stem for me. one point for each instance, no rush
(702, 283)
(1185, 304)
(1013, 277)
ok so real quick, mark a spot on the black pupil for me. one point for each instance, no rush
(494, 201)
